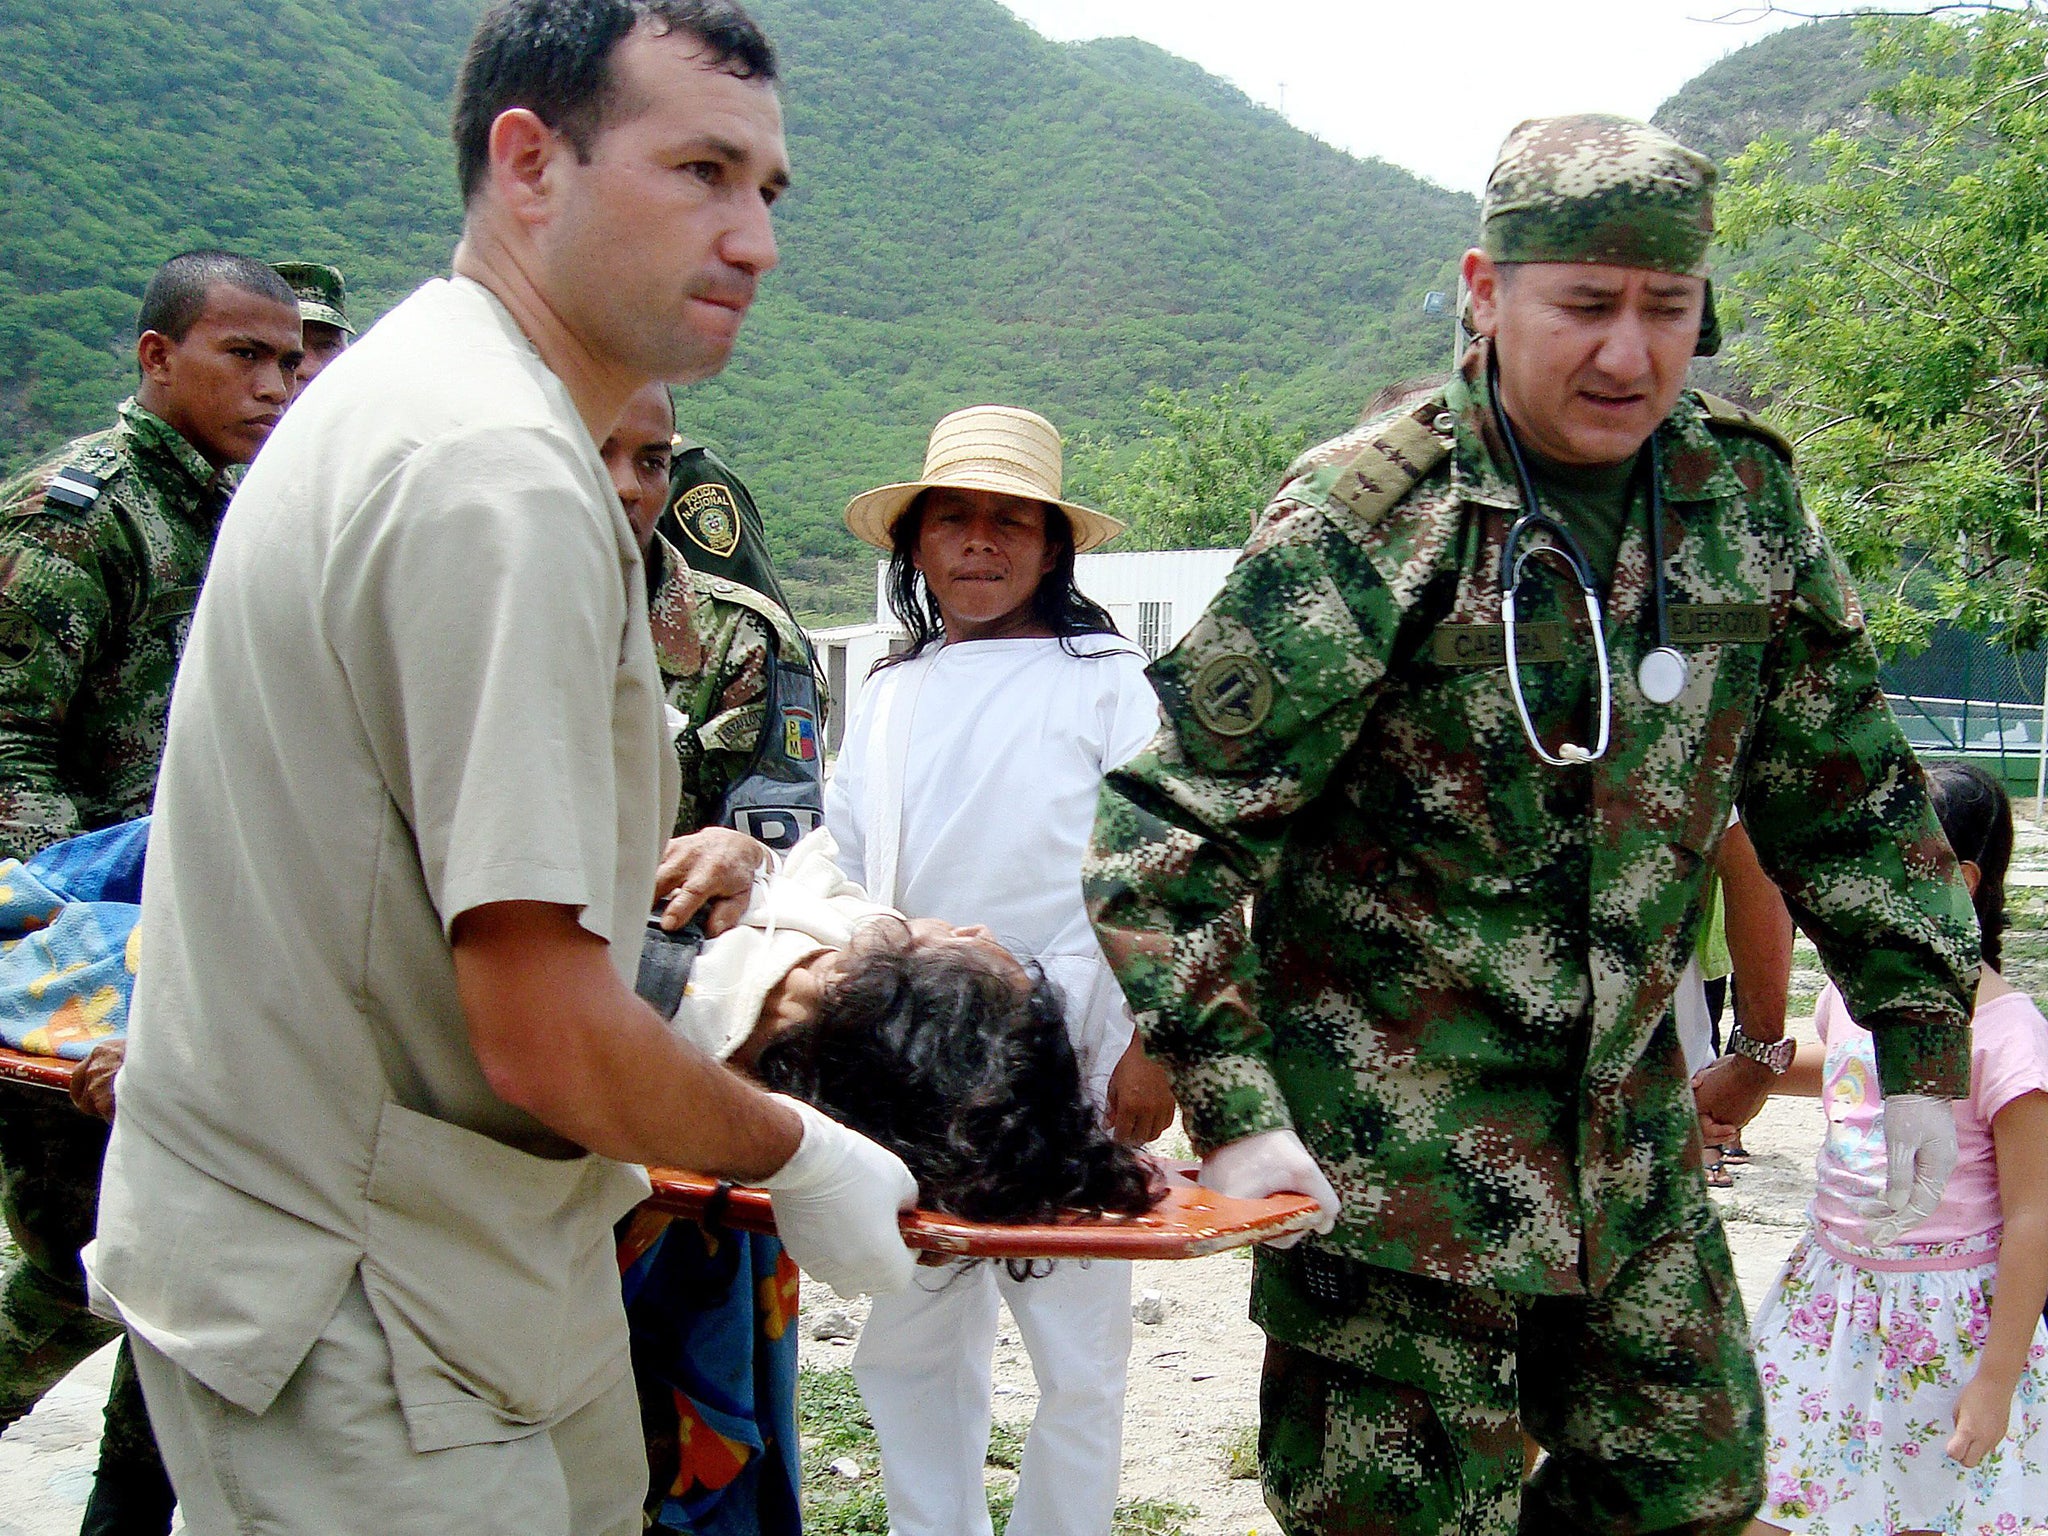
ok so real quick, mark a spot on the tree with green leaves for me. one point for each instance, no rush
(1197, 479)
(1897, 307)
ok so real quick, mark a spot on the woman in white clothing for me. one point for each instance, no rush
(967, 787)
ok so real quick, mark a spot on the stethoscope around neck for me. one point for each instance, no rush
(1663, 672)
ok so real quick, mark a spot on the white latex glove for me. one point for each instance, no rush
(1920, 1153)
(1271, 1163)
(836, 1203)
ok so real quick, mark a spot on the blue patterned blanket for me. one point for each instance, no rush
(68, 941)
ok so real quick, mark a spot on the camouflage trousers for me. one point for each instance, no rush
(1395, 1405)
(50, 1158)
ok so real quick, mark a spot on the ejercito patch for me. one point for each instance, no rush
(1720, 623)
(1233, 694)
(710, 517)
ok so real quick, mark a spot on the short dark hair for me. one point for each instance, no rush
(176, 295)
(554, 58)
(938, 1057)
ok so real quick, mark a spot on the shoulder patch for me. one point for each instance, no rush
(1396, 456)
(1233, 693)
(1727, 414)
(19, 639)
(75, 488)
(737, 730)
(709, 517)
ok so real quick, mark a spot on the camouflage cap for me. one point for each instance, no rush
(323, 297)
(1596, 188)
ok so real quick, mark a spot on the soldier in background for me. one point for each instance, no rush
(1450, 1010)
(323, 314)
(102, 550)
(733, 657)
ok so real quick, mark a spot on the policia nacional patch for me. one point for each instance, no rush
(1233, 694)
(709, 518)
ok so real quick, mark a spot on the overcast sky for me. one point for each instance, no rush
(1433, 87)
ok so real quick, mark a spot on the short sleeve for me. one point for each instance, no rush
(2008, 1054)
(477, 604)
(1132, 712)
(1828, 1013)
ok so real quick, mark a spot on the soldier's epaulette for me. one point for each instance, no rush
(1393, 455)
(69, 493)
(74, 488)
(1726, 413)
(744, 596)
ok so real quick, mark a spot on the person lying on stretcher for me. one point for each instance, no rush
(931, 1039)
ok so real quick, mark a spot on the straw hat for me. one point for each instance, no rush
(984, 448)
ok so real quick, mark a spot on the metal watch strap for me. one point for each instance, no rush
(1773, 1055)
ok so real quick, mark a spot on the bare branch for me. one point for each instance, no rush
(1748, 15)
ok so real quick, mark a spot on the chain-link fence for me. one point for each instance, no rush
(1967, 696)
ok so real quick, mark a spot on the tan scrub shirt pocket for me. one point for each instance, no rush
(492, 1274)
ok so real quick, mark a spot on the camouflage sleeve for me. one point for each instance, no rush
(726, 703)
(1835, 802)
(53, 605)
(1258, 705)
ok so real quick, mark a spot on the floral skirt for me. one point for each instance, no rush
(1861, 1371)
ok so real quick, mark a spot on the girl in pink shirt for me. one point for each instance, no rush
(1907, 1387)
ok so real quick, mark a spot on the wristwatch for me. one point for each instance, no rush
(1773, 1055)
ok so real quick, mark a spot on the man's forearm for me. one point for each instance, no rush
(561, 1037)
(1760, 933)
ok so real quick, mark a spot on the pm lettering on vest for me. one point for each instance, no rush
(1720, 623)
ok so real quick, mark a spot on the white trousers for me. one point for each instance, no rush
(925, 1367)
(331, 1454)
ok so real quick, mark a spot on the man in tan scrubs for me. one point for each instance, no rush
(388, 1078)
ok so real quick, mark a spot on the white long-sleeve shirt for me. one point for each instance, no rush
(1009, 741)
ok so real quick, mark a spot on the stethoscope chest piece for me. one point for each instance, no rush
(1663, 675)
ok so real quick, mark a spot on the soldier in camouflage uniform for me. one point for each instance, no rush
(736, 664)
(102, 550)
(323, 315)
(723, 649)
(1455, 987)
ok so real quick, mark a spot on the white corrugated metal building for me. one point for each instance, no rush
(1155, 596)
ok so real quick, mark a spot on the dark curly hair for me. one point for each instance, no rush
(1976, 817)
(939, 1057)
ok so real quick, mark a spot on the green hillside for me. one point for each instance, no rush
(984, 214)
(1794, 85)
(136, 130)
(979, 213)
(1797, 84)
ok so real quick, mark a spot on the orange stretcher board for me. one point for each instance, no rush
(39, 1071)
(1188, 1223)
